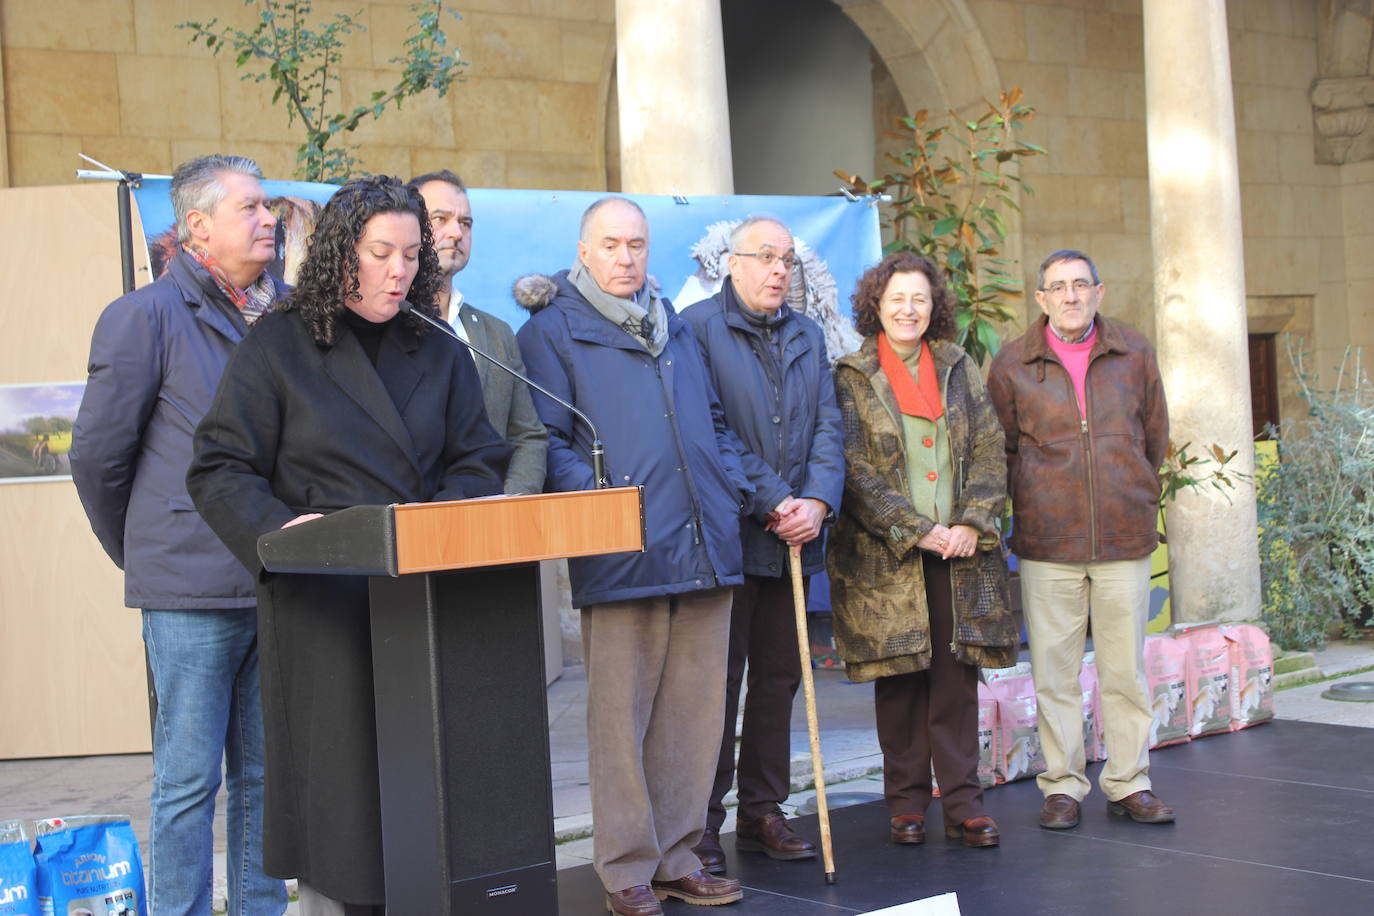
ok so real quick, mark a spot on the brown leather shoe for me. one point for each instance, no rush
(773, 836)
(709, 852)
(1059, 812)
(634, 901)
(976, 831)
(700, 888)
(1143, 807)
(908, 828)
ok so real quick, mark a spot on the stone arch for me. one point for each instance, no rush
(929, 42)
(940, 59)
(923, 44)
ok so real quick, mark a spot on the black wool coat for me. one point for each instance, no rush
(298, 428)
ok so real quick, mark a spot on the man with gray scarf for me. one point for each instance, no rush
(655, 625)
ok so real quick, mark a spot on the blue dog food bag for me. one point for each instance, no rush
(18, 876)
(89, 866)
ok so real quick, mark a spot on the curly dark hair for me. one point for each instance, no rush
(329, 274)
(868, 294)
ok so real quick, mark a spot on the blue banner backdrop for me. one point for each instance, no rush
(519, 232)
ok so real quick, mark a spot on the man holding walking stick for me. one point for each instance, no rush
(769, 368)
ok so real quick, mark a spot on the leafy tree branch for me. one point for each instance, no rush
(948, 207)
(304, 62)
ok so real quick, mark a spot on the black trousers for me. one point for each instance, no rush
(763, 633)
(930, 717)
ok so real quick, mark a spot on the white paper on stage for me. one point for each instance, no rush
(943, 905)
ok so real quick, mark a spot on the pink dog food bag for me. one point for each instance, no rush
(988, 744)
(1094, 741)
(1019, 754)
(1252, 675)
(1209, 681)
(1166, 680)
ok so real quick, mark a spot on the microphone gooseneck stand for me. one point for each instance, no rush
(598, 450)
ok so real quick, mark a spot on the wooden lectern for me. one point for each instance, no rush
(458, 661)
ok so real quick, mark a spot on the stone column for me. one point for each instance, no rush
(1199, 282)
(674, 117)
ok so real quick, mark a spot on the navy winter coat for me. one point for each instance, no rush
(789, 424)
(663, 429)
(157, 355)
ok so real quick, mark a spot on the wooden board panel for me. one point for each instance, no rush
(517, 529)
(72, 677)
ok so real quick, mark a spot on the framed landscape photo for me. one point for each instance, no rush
(36, 430)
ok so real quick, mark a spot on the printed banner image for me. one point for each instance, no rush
(517, 232)
(36, 430)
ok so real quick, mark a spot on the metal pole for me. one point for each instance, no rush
(126, 235)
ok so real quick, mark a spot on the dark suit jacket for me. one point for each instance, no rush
(298, 428)
(508, 400)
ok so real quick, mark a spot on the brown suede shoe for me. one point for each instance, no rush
(1143, 807)
(634, 901)
(700, 888)
(1059, 812)
(976, 831)
(709, 852)
(773, 836)
(909, 829)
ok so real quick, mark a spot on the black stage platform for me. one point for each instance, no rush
(1273, 819)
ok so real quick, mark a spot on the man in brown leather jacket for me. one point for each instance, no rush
(1082, 406)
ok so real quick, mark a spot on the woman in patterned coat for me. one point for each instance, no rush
(918, 580)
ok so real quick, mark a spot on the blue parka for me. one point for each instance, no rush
(157, 355)
(789, 425)
(662, 428)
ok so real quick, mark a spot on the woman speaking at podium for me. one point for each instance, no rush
(335, 400)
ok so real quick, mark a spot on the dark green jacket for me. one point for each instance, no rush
(877, 586)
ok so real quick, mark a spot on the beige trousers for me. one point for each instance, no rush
(655, 701)
(1059, 599)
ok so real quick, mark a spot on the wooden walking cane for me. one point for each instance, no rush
(812, 726)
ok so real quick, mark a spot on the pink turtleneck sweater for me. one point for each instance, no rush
(1074, 356)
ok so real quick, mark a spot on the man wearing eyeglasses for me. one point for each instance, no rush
(1082, 405)
(769, 367)
(507, 400)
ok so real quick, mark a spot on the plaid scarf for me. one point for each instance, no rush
(253, 301)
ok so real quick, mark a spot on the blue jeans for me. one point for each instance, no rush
(209, 711)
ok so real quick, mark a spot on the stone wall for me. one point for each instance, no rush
(1081, 63)
(118, 81)
(1291, 206)
(1357, 193)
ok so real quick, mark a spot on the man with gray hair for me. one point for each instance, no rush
(157, 355)
(1082, 405)
(769, 367)
(654, 624)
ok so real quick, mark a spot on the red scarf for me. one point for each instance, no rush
(917, 396)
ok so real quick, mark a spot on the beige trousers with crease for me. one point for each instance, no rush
(1059, 599)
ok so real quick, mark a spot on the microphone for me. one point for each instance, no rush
(598, 450)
